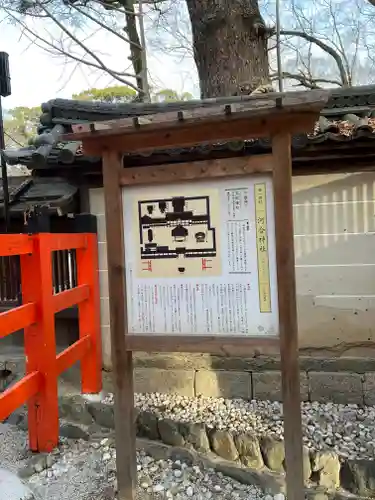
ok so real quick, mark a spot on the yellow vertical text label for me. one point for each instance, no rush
(262, 247)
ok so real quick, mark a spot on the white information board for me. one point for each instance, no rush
(200, 258)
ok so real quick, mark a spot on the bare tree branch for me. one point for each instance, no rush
(105, 26)
(76, 40)
(100, 66)
(306, 81)
(329, 50)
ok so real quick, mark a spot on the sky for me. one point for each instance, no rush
(37, 76)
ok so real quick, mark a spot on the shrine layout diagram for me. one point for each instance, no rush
(177, 237)
(200, 257)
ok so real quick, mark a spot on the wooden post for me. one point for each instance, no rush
(282, 188)
(122, 363)
(89, 316)
(40, 345)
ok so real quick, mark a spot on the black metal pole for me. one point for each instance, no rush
(5, 91)
(4, 172)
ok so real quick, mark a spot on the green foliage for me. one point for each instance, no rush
(116, 94)
(122, 93)
(170, 95)
(20, 125)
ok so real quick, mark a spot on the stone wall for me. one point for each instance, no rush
(340, 381)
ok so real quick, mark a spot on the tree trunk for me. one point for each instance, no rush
(230, 45)
(135, 51)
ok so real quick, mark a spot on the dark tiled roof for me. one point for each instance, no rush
(347, 127)
(55, 195)
(348, 117)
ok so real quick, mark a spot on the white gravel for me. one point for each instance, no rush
(86, 470)
(347, 429)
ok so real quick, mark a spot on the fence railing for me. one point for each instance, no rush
(40, 302)
(64, 276)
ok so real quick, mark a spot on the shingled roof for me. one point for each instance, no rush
(347, 120)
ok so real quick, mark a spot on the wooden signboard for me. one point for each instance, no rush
(201, 255)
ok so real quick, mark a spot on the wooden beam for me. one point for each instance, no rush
(18, 318)
(68, 298)
(244, 108)
(282, 187)
(229, 167)
(122, 363)
(211, 344)
(15, 244)
(64, 241)
(20, 393)
(206, 132)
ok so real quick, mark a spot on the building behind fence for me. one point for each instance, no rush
(64, 266)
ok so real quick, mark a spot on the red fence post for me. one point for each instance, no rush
(40, 345)
(89, 316)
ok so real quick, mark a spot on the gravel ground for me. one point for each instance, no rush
(86, 471)
(347, 429)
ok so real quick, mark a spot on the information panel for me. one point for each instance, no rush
(200, 258)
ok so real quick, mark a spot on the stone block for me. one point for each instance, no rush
(249, 450)
(164, 381)
(102, 414)
(17, 417)
(195, 436)
(72, 431)
(327, 466)
(369, 388)
(336, 387)
(358, 477)
(273, 452)
(170, 433)
(306, 464)
(74, 408)
(147, 425)
(223, 384)
(223, 445)
(267, 385)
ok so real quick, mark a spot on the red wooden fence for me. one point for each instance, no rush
(36, 316)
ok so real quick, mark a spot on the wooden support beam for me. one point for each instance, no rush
(15, 244)
(69, 298)
(64, 241)
(282, 188)
(226, 167)
(245, 108)
(191, 135)
(16, 319)
(19, 394)
(212, 344)
(122, 362)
